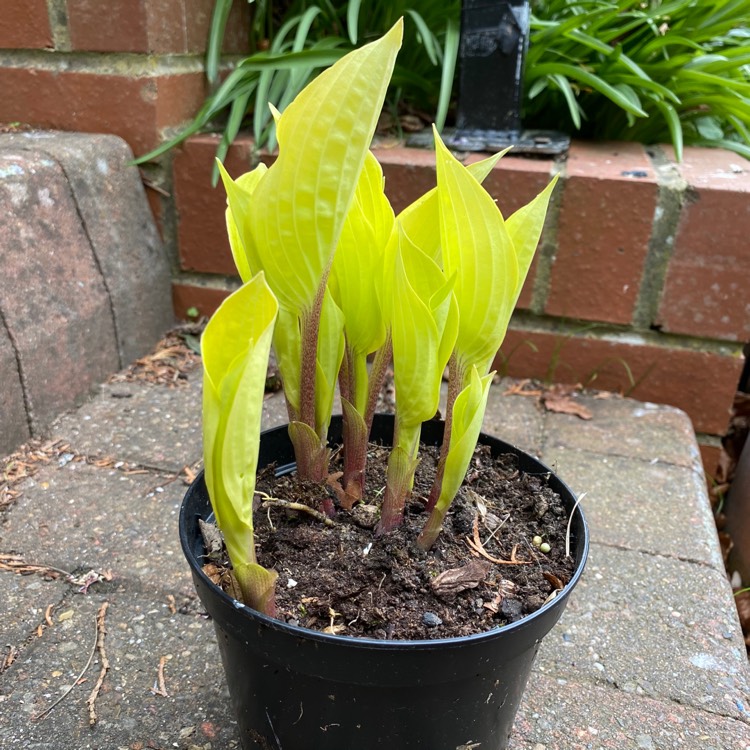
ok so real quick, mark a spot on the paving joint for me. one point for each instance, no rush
(659, 555)
(28, 409)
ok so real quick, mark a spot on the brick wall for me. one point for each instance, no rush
(133, 68)
(640, 281)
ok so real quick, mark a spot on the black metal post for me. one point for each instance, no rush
(494, 39)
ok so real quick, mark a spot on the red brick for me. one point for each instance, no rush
(703, 384)
(606, 216)
(202, 232)
(204, 299)
(706, 293)
(152, 26)
(135, 108)
(120, 26)
(24, 24)
(409, 173)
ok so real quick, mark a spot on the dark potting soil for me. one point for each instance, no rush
(484, 570)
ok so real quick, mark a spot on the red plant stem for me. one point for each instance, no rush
(355, 455)
(345, 382)
(377, 376)
(308, 365)
(455, 379)
(399, 478)
(313, 466)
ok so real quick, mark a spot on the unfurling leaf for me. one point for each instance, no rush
(479, 251)
(299, 205)
(468, 414)
(423, 320)
(421, 219)
(235, 346)
(423, 323)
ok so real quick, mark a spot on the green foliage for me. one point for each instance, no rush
(650, 71)
(293, 41)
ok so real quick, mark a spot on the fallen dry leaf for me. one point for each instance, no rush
(454, 581)
(561, 401)
(554, 580)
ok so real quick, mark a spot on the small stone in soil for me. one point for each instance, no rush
(512, 609)
(431, 620)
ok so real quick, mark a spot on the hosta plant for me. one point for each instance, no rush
(341, 287)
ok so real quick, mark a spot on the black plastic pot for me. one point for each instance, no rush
(297, 689)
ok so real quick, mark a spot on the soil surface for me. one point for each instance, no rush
(484, 571)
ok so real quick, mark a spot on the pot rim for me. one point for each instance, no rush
(387, 644)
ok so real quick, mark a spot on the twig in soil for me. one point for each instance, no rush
(276, 502)
(475, 544)
(101, 631)
(77, 679)
(496, 529)
(162, 687)
(570, 520)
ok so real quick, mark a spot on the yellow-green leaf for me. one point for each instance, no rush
(421, 219)
(525, 228)
(357, 264)
(299, 205)
(329, 356)
(468, 414)
(239, 194)
(478, 250)
(421, 319)
(235, 347)
(287, 343)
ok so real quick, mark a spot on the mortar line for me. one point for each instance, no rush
(28, 409)
(524, 320)
(548, 249)
(57, 13)
(671, 196)
(97, 263)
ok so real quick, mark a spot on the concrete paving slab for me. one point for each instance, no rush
(114, 210)
(623, 427)
(79, 517)
(653, 626)
(150, 425)
(25, 599)
(624, 494)
(515, 419)
(557, 713)
(139, 633)
(54, 302)
(12, 409)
